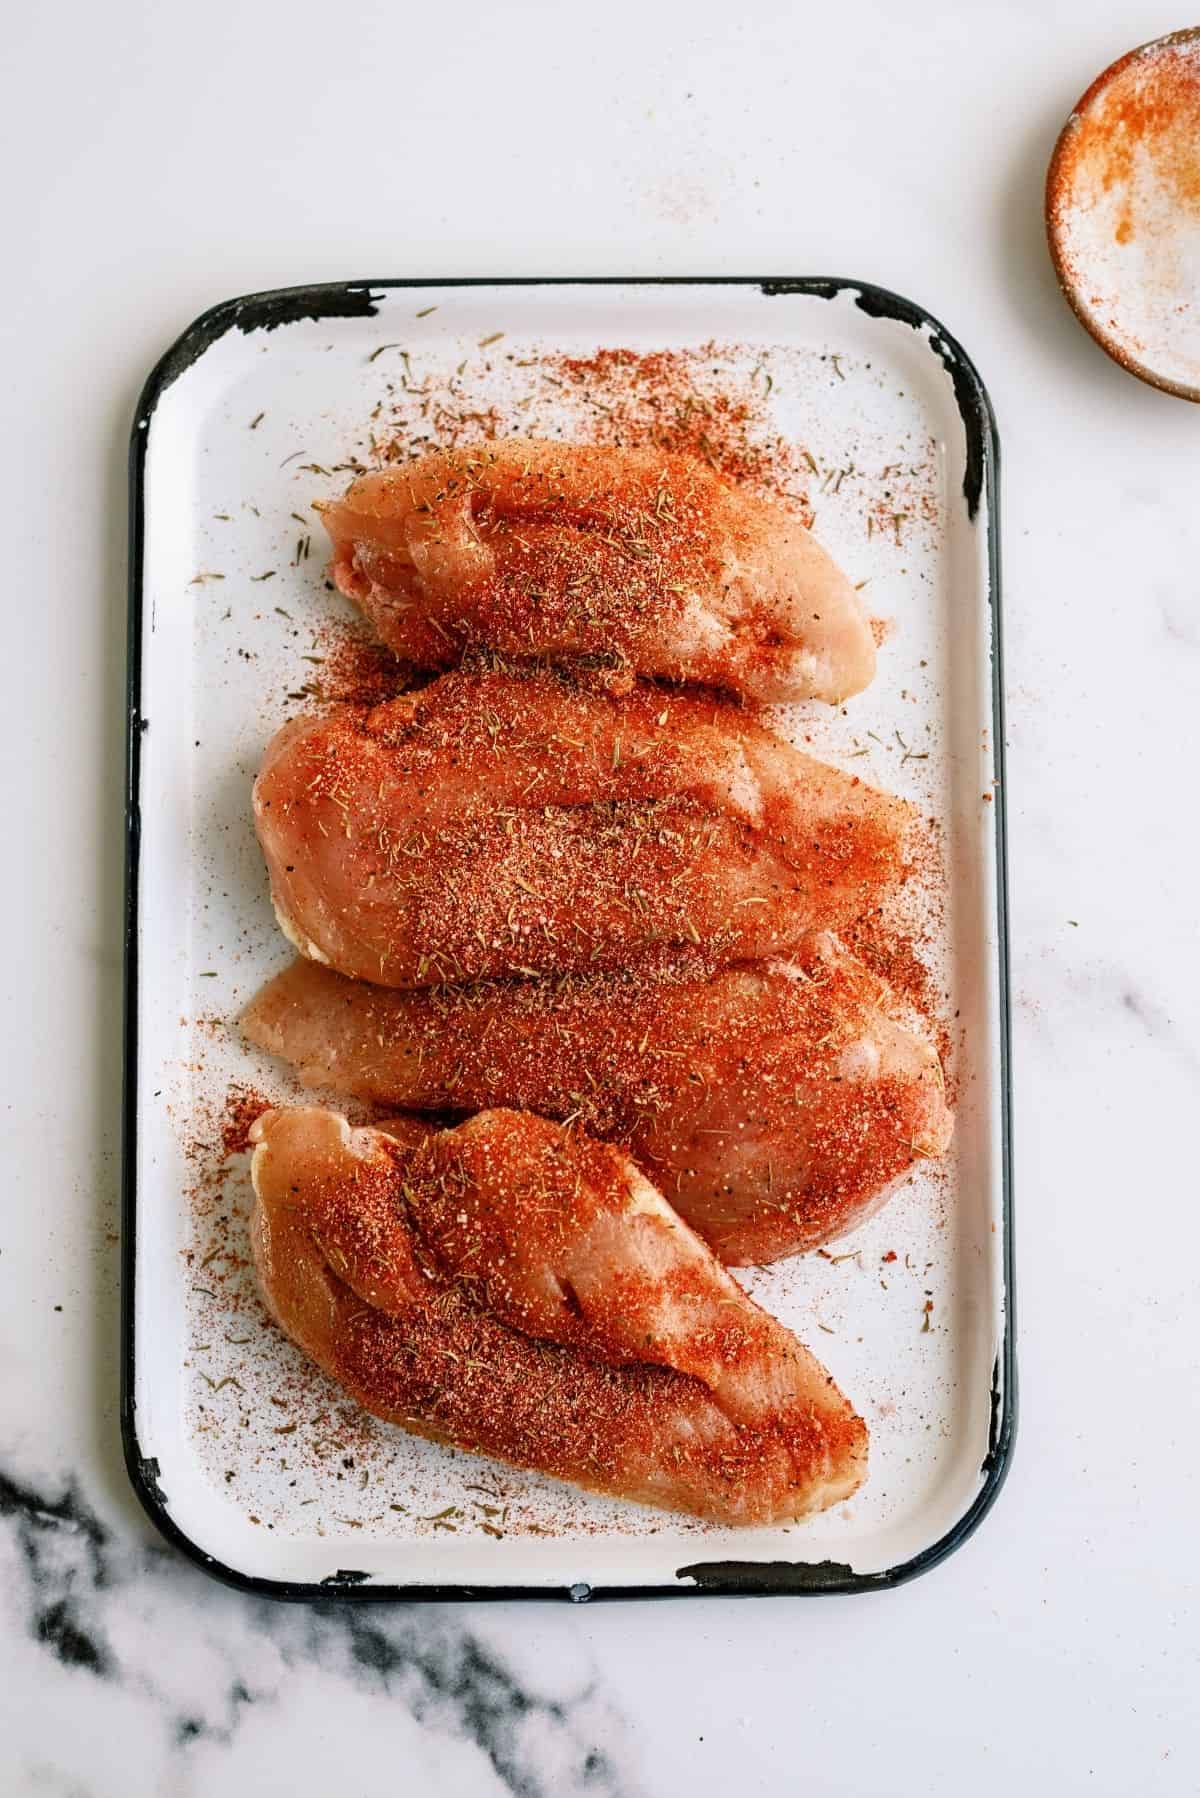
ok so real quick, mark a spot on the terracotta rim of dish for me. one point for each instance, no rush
(1068, 279)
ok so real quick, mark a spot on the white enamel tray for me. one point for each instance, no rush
(247, 1459)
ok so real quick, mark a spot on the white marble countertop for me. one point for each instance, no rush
(165, 160)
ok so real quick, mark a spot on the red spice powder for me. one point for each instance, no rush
(892, 954)
(688, 401)
(696, 402)
(906, 497)
(704, 402)
(1156, 106)
(216, 1131)
(218, 1260)
(355, 667)
(1147, 105)
(243, 1107)
(899, 940)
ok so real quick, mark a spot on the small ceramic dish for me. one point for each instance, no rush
(1123, 212)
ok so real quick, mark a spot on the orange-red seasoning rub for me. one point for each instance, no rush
(776, 1105)
(514, 822)
(518, 1291)
(639, 558)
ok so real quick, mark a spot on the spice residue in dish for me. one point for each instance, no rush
(1123, 211)
(1140, 135)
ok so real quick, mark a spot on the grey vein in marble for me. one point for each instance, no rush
(82, 1578)
(64, 1547)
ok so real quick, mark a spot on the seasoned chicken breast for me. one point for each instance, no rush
(505, 822)
(630, 555)
(520, 1291)
(776, 1104)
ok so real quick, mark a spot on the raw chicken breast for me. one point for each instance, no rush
(776, 1104)
(520, 1291)
(514, 822)
(634, 556)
